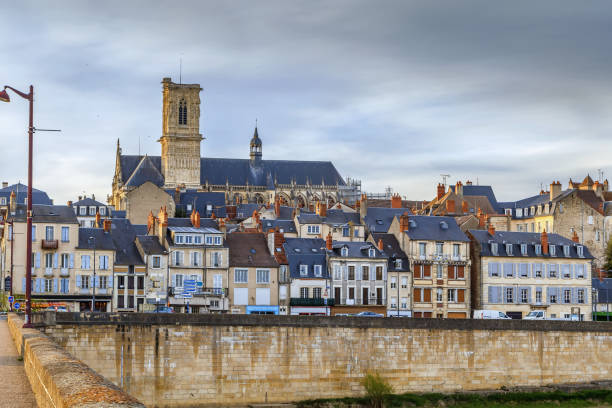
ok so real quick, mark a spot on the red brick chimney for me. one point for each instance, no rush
(491, 230)
(328, 242)
(196, 220)
(459, 188)
(277, 206)
(440, 191)
(601, 274)
(464, 207)
(468, 183)
(150, 223)
(107, 225)
(450, 206)
(279, 239)
(404, 222)
(380, 244)
(69, 203)
(321, 209)
(98, 217)
(575, 238)
(544, 242)
(213, 216)
(396, 201)
(481, 218)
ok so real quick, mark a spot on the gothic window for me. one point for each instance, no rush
(182, 112)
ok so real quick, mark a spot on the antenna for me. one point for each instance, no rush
(444, 177)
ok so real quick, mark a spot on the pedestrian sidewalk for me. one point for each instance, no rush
(15, 391)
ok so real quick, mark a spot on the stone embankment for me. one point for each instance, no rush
(60, 380)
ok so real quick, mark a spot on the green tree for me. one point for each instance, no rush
(376, 388)
(608, 264)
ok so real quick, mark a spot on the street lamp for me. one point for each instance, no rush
(92, 244)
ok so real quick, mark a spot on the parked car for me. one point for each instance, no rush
(162, 309)
(57, 308)
(368, 314)
(490, 314)
(536, 315)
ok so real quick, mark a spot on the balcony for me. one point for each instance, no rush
(49, 244)
(201, 292)
(64, 272)
(311, 302)
(48, 271)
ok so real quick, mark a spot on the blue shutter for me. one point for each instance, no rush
(574, 295)
(97, 282)
(515, 295)
(71, 265)
(490, 289)
(55, 285)
(78, 281)
(38, 285)
(529, 298)
(23, 285)
(38, 259)
(110, 281)
(586, 295)
(490, 266)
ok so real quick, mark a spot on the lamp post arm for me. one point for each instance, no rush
(23, 95)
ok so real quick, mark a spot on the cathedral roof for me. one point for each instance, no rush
(136, 170)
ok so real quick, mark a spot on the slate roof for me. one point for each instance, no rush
(249, 250)
(102, 240)
(135, 170)
(379, 219)
(531, 239)
(199, 200)
(588, 196)
(186, 222)
(306, 251)
(604, 289)
(244, 211)
(21, 193)
(88, 201)
(46, 213)
(124, 233)
(356, 249)
(118, 214)
(434, 228)
(393, 250)
(334, 217)
(150, 245)
(475, 190)
(285, 226)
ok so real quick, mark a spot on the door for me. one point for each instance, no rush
(365, 294)
(351, 296)
(337, 295)
(379, 296)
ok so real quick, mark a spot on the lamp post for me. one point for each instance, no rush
(4, 97)
(92, 244)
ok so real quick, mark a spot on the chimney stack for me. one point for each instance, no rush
(363, 206)
(544, 242)
(468, 183)
(151, 223)
(491, 230)
(328, 242)
(396, 201)
(459, 189)
(404, 222)
(555, 189)
(162, 225)
(575, 238)
(450, 206)
(380, 244)
(13, 202)
(464, 207)
(277, 206)
(321, 209)
(107, 225)
(69, 203)
(441, 191)
(196, 220)
(98, 219)
(222, 226)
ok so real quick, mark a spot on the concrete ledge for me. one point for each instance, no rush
(150, 319)
(60, 380)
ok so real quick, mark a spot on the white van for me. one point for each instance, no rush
(489, 314)
(536, 315)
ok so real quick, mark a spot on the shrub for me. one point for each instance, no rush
(376, 388)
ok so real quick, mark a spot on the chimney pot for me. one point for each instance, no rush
(380, 244)
(107, 225)
(575, 237)
(404, 222)
(441, 191)
(396, 201)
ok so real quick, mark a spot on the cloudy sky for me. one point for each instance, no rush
(511, 94)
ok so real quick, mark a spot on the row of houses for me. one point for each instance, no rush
(387, 261)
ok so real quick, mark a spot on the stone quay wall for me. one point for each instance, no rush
(196, 360)
(58, 380)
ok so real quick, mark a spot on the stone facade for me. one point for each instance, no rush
(145, 198)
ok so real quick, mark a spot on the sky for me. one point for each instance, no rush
(394, 93)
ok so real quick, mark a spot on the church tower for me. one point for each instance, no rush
(180, 141)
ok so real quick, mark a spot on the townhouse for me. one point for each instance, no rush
(520, 272)
(359, 276)
(253, 271)
(276, 241)
(341, 224)
(438, 253)
(86, 209)
(310, 284)
(155, 258)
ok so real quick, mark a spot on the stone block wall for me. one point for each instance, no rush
(234, 360)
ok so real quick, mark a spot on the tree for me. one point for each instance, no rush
(608, 264)
(376, 389)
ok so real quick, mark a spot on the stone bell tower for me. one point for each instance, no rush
(180, 141)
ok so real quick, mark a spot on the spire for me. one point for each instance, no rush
(255, 148)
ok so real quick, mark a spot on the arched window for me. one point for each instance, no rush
(182, 112)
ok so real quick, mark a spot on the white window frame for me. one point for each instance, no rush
(262, 276)
(154, 259)
(303, 270)
(318, 270)
(241, 275)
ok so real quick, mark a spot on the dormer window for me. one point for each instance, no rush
(552, 249)
(508, 211)
(182, 113)
(303, 270)
(398, 264)
(523, 249)
(371, 253)
(509, 249)
(580, 250)
(344, 251)
(538, 249)
(494, 248)
(566, 250)
(318, 270)
(519, 212)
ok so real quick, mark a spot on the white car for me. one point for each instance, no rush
(536, 315)
(490, 314)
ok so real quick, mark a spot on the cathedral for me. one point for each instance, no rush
(252, 180)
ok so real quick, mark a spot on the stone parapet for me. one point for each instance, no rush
(58, 379)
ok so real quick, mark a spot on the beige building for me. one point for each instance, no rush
(438, 252)
(342, 225)
(253, 284)
(520, 272)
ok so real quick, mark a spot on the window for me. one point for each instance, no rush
(456, 251)
(524, 295)
(567, 296)
(241, 275)
(92, 210)
(10, 233)
(337, 272)
(523, 249)
(371, 252)
(597, 236)
(580, 250)
(65, 261)
(552, 270)
(422, 246)
(64, 285)
(316, 293)
(422, 295)
(2, 200)
(365, 272)
(156, 261)
(65, 234)
(538, 295)
(209, 240)
(182, 112)
(566, 271)
(85, 281)
(552, 293)
(48, 285)
(398, 264)
(263, 276)
(103, 261)
(48, 233)
(344, 251)
(140, 281)
(303, 270)
(346, 232)
(566, 250)
(178, 258)
(538, 249)
(494, 248)
(439, 295)
(581, 298)
(318, 270)
(404, 303)
(83, 210)
(356, 234)
(102, 210)
(217, 240)
(404, 282)
(552, 249)
(439, 248)
(49, 260)
(537, 270)
(103, 282)
(179, 239)
(178, 280)
(509, 249)
(439, 271)
(197, 239)
(379, 273)
(579, 271)
(452, 295)
(216, 259)
(590, 220)
(304, 293)
(85, 262)
(314, 229)
(393, 303)
(195, 258)
(509, 295)
(188, 239)
(351, 272)
(524, 270)
(393, 282)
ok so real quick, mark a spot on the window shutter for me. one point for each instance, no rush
(55, 256)
(78, 281)
(460, 295)
(572, 271)
(416, 293)
(345, 272)
(491, 292)
(23, 284)
(37, 285)
(38, 259)
(514, 295)
(71, 264)
(461, 272)
(427, 295)
(97, 282)
(449, 272)
(490, 265)
(55, 285)
(427, 271)
(529, 295)
(574, 295)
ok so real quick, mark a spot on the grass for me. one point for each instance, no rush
(586, 398)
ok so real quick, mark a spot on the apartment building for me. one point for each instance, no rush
(343, 225)
(519, 272)
(438, 253)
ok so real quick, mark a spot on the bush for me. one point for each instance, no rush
(376, 389)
